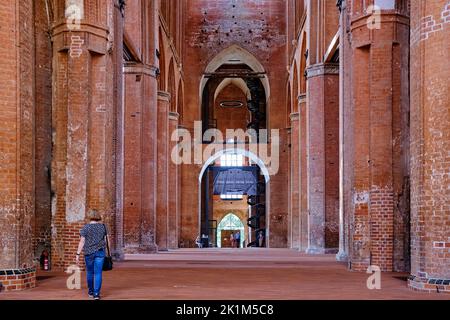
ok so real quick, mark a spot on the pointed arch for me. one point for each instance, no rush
(295, 93)
(162, 64)
(255, 159)
(171, 87)
(235, 54)
(180, 100)
(288, 105)
(239, 151)
(238, 82)
(303, 66)
(230, 222)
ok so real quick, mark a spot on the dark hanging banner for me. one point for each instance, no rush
(235, 181)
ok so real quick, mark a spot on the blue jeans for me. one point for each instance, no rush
(94, 268)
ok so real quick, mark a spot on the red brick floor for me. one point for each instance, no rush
(228, 274)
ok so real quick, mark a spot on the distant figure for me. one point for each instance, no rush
(205, 241)
(232, 239)
(198, 242)
(237, 239)
(260, 239)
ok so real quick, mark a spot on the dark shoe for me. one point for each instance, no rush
(96, 297)
(90, 294)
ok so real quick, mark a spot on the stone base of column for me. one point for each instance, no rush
(430, 285)
(17, 279)
(118, 255)
(358, 266)
(312, 250)
(141, 249)
(342, 256)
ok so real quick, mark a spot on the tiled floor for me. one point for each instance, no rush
(228, 274)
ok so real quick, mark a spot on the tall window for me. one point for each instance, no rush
(231, 160)
(231, 196)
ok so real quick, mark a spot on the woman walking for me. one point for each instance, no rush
(93, 243)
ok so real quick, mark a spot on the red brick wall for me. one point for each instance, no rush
(16, 132)
(18, 279)
(231, 118)
(430, 137)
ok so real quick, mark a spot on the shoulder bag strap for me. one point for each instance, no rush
(107, 242)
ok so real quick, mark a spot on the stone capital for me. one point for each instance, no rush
(322, 69)
(88, 36)
(175, 116)
(164, 96)
(302, 98)
(140, 69)
(294, 116)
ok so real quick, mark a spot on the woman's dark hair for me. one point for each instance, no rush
(94, 215)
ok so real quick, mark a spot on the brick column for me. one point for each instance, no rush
(140, 128)
(173, 187)
(119, 108)
(163, 158)
(377, 54)
(322, 143)
(344, 115)
(294, 180)
(17, 269)
(83, 116)
(140, 140)
(430, 145)
(303, 170)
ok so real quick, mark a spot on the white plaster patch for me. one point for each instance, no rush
(361, 197)
(439, 245)
(54, 202)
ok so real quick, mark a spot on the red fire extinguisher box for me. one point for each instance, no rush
(45, 260)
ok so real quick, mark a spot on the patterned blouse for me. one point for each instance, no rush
(94, 233)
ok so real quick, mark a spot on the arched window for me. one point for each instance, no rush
(230, 222)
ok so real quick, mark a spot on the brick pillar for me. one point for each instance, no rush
(430, 145)
(322, 143)
(377, 53)
(83, 126)
(140, 140)
(119, 108)
(17, 270)
(342, 255)
(163, 158)
(294, 180)
(303, 170)
(173, 187)
(139, 133)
